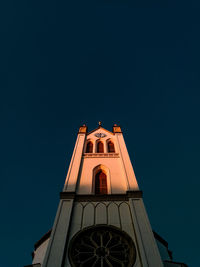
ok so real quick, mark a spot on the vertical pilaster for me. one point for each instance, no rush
(126, 162)
(72, 175)
(148, 247)
(59, 235)
(56, 246)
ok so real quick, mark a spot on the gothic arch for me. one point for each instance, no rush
(89, 146)
(105, 170)
(99, 146)
(110, 146)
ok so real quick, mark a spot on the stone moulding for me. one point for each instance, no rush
(129, 194)
(101, 155)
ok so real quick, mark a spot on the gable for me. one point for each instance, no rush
(100, 132)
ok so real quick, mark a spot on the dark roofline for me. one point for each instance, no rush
(175, 262)
(159, 238)
(164, 242)
(41, 240)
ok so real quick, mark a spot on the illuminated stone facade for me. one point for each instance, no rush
(101, 218)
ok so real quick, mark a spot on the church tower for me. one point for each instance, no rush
(101, 219)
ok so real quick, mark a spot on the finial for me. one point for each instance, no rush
(83, 129)
(117, 128)
(99, 123)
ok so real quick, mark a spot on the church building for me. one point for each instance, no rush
(101, 219)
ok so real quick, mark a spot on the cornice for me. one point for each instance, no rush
(101, 155)
(108, 197)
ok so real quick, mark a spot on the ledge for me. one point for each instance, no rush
(101, 155)
(109, 197)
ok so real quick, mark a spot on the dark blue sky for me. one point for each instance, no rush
(64, 63)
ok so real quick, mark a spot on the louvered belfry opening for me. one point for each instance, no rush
(111, 147)
(100, 183)
(89, 148)
(100, 147)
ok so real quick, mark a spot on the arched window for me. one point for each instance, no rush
(100, 183)
(89, 148)
(111, 147)
(99, 147)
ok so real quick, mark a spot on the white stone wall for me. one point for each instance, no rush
(39, 253)
(115, 213)
(116, 180)
(56, 244)
(117, 165)
(129, 216)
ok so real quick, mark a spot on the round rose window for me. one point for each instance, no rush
(102, 246)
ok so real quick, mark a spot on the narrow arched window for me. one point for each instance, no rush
(89, 148)
(111, 147)
(100, 147)
(100, 183)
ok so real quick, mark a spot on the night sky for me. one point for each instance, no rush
(65, 63)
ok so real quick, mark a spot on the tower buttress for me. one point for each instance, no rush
(74, 167)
